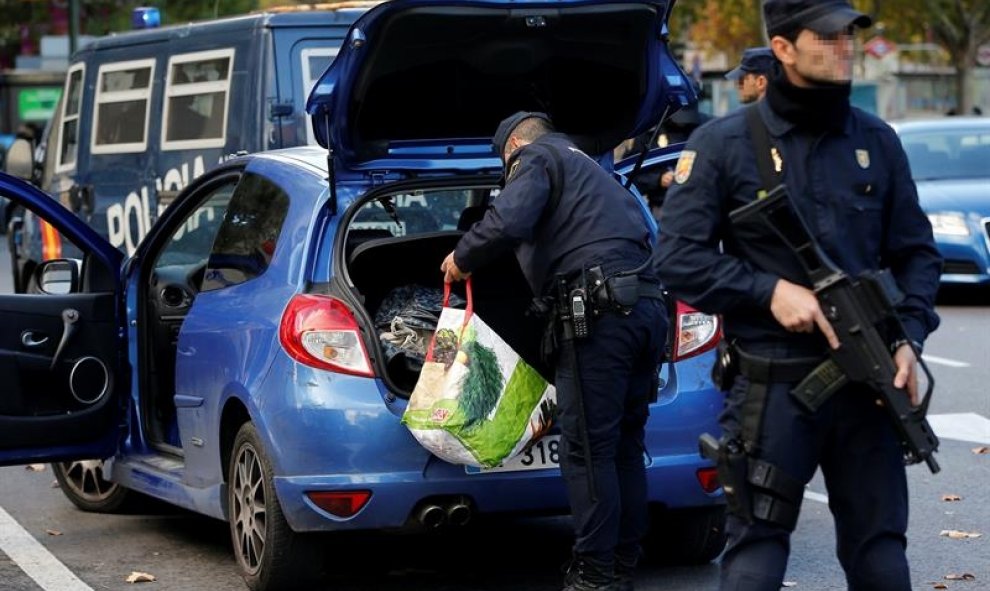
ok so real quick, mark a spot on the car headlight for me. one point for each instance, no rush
(949, 224)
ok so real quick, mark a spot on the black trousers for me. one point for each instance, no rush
(853, 442)
(618, 367)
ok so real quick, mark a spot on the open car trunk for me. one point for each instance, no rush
(378, 262)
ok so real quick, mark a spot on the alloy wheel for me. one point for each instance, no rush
(248, 509)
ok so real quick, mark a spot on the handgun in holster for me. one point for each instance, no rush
(732, 465)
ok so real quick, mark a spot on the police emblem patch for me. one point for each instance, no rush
(512, 169)
(684, 165)
(863, 159)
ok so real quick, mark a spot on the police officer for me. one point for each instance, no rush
(752, 74)
(565, 216)
(849, 179)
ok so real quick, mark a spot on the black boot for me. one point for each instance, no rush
(584, 574)
(625, 567)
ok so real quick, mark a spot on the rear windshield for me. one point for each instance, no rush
(421, 212)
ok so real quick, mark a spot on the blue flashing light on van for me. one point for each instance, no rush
(145, 17)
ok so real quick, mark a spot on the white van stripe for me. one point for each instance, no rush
(944, 361)
(36, 561)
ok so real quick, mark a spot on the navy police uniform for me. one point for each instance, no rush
(595, 222)
(851, 183)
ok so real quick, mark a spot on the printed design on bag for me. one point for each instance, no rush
(440, 415)
(541, 425)
(445, 348)
(482, 385)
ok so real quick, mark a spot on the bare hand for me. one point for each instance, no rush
(796, 309)
(667, 179)
(451, 272)
(907, 371)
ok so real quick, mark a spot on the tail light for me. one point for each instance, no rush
(322, 332)
(708, 479)
(696, 332)
(340, 503)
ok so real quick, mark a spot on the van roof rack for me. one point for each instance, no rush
(321, 6)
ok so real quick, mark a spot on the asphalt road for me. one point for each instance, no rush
(41, 532)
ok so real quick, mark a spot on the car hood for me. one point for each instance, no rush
(963, 195)
(424, 83)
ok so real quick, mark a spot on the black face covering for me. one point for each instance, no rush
(820, 108)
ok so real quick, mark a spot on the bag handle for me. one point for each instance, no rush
(468, 313)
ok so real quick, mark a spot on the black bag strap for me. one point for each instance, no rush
(760, 135)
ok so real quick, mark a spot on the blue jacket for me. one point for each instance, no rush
(597, 221)
(854, 189)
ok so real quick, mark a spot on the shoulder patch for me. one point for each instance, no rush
(684, 165)
(512, 169)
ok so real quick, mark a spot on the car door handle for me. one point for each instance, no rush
(69, 318)
(32, 339)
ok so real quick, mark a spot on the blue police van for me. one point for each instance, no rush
(145, 112)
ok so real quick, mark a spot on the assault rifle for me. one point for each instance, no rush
(862, 312)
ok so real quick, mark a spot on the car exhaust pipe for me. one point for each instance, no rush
(431, 516)
(459, 513)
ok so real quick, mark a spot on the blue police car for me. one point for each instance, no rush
(232, 365)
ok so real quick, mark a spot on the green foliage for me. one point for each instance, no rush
(482, 385)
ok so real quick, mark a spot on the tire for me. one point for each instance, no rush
(83, 483)
(685, 536)
(271, 556)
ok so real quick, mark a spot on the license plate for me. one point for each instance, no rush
(542, 455)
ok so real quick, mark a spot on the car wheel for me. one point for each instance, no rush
(685, 536)
(270, 554)
(83, 483)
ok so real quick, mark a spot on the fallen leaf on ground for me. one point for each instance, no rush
(951, 498)
(981, 450)
(53, 532)
(139, 577)
(939, 586)
(962, 577)
(955, 534)
(35, 467)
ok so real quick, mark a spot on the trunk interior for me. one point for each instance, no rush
(378, 263)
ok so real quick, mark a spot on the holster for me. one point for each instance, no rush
(726, 366)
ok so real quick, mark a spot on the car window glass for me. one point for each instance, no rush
(196, 99)
(948, 154)
(419, 212)
(248, 235)
(192, 241)
(122, 95)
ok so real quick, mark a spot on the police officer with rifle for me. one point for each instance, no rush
(584, 244)
(823, 334)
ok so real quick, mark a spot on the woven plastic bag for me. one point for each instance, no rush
(476, 402)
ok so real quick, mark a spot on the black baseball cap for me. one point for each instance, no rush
(755, 60)
(820, 16)
(505, 128)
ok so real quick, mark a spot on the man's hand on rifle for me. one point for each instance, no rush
(907, 371)
(796, 308)
(451, 272)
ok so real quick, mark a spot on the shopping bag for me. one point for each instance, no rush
(476, 402)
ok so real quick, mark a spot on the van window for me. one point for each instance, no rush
(68, 139)
(196, 99)
(315, 61)
(248, 235)
(123, 92)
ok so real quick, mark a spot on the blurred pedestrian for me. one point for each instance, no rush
(753, 73)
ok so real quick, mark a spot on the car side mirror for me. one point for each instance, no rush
(58, 276)
(20, 160)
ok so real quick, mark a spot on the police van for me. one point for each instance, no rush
(145, 112)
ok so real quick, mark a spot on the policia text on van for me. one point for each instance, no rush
(145, 112)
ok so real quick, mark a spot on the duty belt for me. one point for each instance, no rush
(816, 378)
